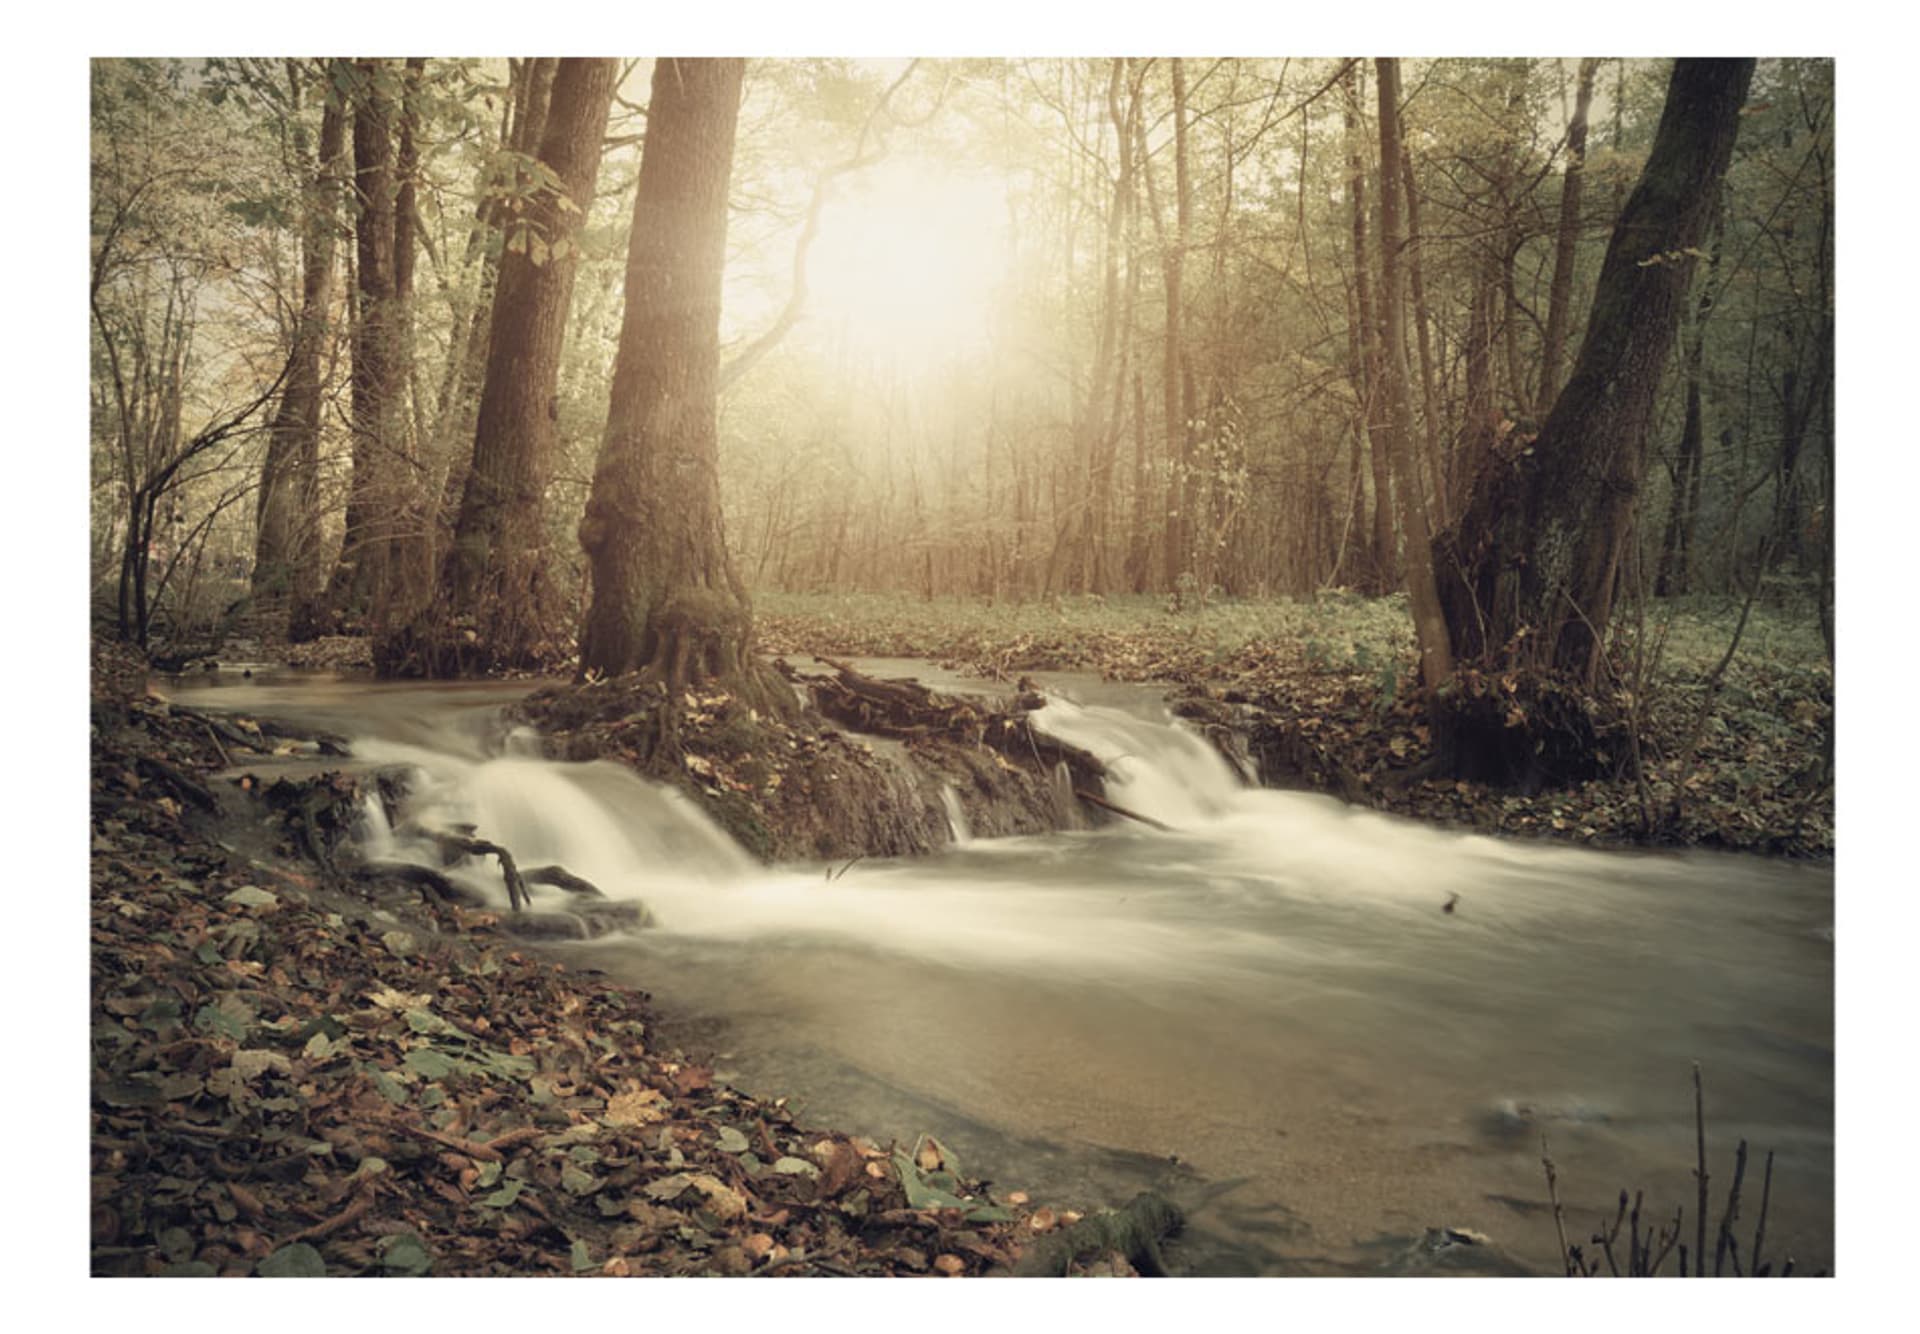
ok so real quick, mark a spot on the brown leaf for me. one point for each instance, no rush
(638, 1107)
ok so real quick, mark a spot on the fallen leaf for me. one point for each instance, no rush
(639, 1107)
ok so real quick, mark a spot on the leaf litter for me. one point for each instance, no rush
(277, 1091)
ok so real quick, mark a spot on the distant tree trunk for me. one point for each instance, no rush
(1479, 427)
(1422, 322)
(666, 599)
(1382, 562)
(1436, 661)
(1177, 390)
(286, 563)
(1097, 421)
(360, 585)
(493, 609)
(1140, 549)
(1531, 563)
(1683, 506)
(412, 546)
(1566, 242)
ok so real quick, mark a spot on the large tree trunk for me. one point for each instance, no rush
(459, 399)
(359, 585)
(1529, 569)
(493, 609)
(666, 599)
(286, 565)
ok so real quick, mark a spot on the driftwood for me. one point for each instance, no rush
(902, 709)
(257, 734)
(456, 845)
(179, 782)
(561, 878)
(1134, 1232)
(906, 710)
(1106, 805)
(438, 886)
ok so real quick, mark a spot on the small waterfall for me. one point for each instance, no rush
(956, 814)
(630, 838)
(1159, 769)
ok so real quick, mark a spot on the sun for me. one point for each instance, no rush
(908, 261)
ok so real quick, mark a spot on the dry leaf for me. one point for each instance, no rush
(637, 1108)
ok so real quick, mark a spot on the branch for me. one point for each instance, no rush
(797, 298)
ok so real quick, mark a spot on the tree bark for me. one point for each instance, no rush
(1566, 243)
(1365, 351)
(493, 609)
(286, 563)
(1529, 569)
(1683, 506)
(1422, 322)
(666, 599)
(1177, 395)
(359, 586)
(1436, 661)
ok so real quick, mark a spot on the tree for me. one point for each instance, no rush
(666, 599)
(1529, 568)
(286, 567)
(361, 581)
(1436, 664)
(493, 609)
(1566, 240)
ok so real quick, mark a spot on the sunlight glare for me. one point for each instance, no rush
(908, 260)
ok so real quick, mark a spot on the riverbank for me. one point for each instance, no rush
(1321, 691)
(289, 1079)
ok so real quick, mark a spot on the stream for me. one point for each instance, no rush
(1263, 1011)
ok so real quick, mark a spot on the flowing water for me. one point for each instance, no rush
(1264, 1011)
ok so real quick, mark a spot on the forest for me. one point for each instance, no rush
(817, 439)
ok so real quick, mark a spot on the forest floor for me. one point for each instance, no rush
(292, 1079)
(1744, 767)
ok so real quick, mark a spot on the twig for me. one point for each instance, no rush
(1636, 1249)
(488, 1152)
(1559, 1215)
(1668, 1236)
(1106, 805)
(1606, 1239)
(1732, 1213)
(362, 1201)
(1700, 1174)
(1760, 1227)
